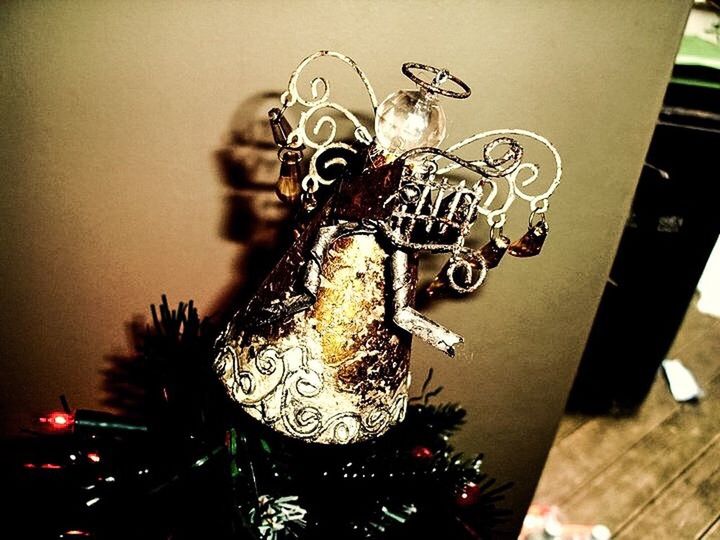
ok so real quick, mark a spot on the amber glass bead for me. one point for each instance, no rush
(288, 187)
(437, 285)
(531, 242)
(279, 126)
(494, 250)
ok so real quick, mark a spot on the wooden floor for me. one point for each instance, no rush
(655, 475)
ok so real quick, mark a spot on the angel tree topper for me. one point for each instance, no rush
(322, 351)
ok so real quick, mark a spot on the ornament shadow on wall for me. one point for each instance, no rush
(257, 223)
(253, 219)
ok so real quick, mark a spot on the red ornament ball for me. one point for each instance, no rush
(468, 495)
(421, 453)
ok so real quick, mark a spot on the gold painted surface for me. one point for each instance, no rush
(350, 301)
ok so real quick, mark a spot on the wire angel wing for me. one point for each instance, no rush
(317, 127)
(435, 209)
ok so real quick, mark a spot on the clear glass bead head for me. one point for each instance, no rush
(409, 119)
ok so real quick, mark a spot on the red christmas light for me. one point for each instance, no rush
(468, 495)
(94, 457)
(58, 420)
(421, 453)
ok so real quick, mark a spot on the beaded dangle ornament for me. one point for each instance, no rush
(322, 351)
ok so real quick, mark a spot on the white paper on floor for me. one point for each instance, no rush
(683, 385)
(709, 284)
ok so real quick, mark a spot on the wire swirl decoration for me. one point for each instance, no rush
(319, 104)
(434, 213)
(519, 178)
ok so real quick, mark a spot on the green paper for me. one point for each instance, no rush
(695, 51)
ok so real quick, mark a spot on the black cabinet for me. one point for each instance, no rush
(673, 226)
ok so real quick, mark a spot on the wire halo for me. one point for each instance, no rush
(442, 74)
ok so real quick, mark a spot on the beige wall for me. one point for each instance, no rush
(112, 113)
